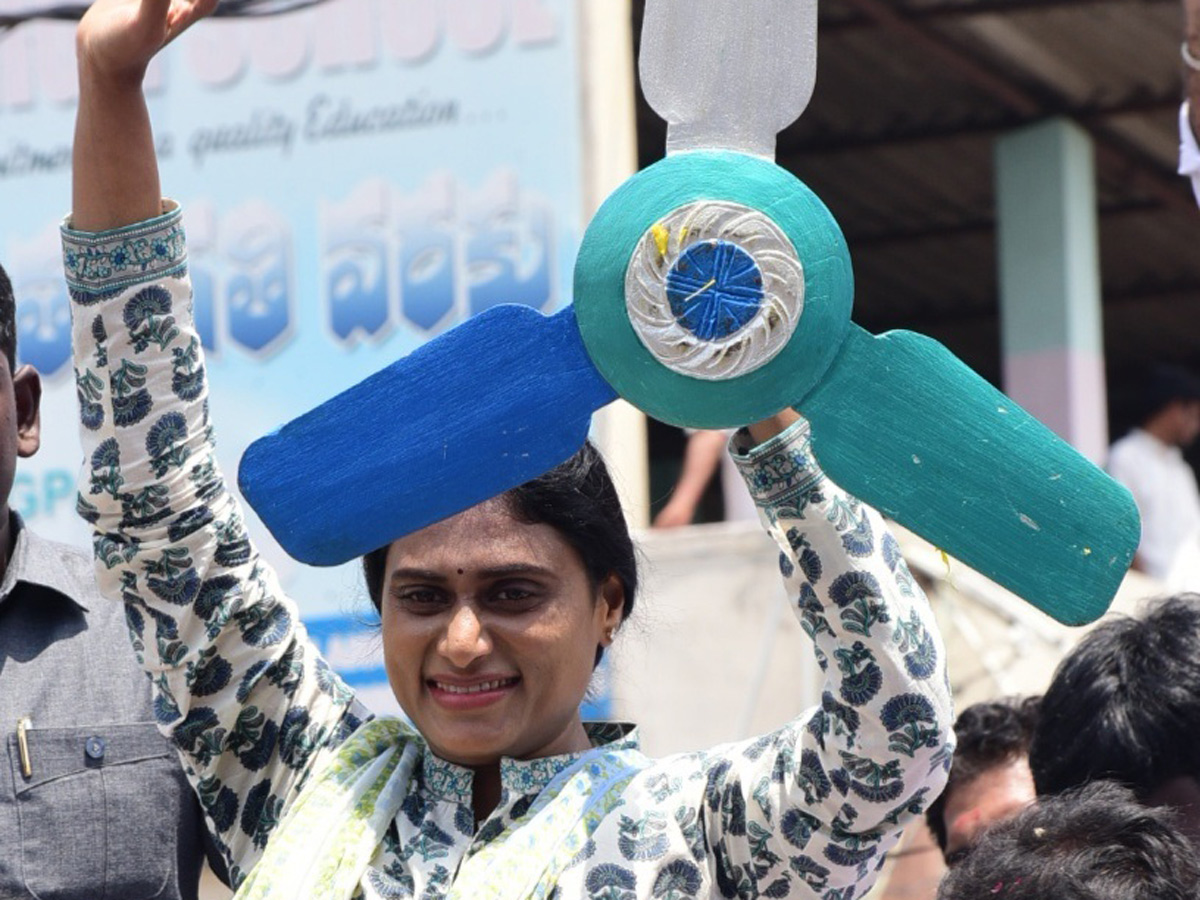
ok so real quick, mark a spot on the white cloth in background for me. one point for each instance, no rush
(1185, 570)
(1164, 487)
(1189, 151)
(739, 505)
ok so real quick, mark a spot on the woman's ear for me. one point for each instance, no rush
(610, 607)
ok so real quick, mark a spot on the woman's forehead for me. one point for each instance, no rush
(486, 536)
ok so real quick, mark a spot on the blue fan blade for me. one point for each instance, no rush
(490, 404)
(903, 424)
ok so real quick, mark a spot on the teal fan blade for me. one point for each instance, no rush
(903, 424)
(714, 289)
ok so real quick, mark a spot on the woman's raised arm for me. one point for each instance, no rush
(811, 809)
(240, 690)
(115, 169)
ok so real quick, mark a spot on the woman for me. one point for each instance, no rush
(492, 622)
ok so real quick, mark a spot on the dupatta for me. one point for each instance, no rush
(327, 839)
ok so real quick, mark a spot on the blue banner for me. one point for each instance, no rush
(356, 178)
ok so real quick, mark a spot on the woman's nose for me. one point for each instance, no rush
(465, 639)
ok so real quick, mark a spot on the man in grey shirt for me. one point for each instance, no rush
(93, 802)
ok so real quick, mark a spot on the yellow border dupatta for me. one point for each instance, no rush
(329, 836)
(327, 839)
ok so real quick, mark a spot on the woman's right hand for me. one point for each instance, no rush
(117, 38)
(115, 171)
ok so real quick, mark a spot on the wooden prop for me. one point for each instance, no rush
(502, 398)
(711, 290)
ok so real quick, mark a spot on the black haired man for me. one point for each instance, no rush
(93, 785)
(1149, 461)
(989, 774)
(1125, 706)
(1095, 843)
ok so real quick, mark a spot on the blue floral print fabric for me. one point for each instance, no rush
(807, 811)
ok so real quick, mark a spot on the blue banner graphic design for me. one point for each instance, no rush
(356, 179)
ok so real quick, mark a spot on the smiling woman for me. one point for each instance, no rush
(493, 620)
(491, 626)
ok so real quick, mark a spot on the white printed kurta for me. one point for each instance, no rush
(806, 811)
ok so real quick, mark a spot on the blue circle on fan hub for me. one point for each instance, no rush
(715, 288)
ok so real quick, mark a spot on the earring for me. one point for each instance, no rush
(609, 633)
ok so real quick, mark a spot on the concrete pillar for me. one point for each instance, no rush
(610, 156)
(1050, 312)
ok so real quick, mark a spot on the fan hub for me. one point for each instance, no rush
(713, 289)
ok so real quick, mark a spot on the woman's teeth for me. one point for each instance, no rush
(475, 688)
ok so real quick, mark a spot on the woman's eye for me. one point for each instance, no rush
(419, 599)
(513, 596)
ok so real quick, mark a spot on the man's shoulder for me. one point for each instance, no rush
(68, 553)
(1133, 446)
(61, 567)
(1134, 437)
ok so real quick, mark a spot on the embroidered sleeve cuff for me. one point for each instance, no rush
(104, 263)
(778, 470)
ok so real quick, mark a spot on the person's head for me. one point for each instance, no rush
(1171, 410)
(1095, 843)
(1125, 705)
(20, 394)
(494, 619)
(989, 775)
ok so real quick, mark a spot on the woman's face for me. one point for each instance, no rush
(490, 629)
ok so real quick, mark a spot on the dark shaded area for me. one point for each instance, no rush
(667, 445)
(898, 142)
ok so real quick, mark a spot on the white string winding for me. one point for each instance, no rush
(746, 349)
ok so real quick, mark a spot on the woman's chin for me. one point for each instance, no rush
(472, 750)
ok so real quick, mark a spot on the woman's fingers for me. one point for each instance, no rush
(185, 13)
(118, 38)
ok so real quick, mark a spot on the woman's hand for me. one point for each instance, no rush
(117, 38)
(763, 431)
(115, 170)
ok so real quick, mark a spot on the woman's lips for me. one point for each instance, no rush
(472, 695)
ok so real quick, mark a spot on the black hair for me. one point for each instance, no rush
(1094, 843)
(1125, 704)
(8, 321)
(579, 500)
(989, 734)
(1165, 384)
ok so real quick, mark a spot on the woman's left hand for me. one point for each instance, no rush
(763, 431)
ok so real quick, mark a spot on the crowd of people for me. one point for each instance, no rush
(492, 623)
(1091, 790)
